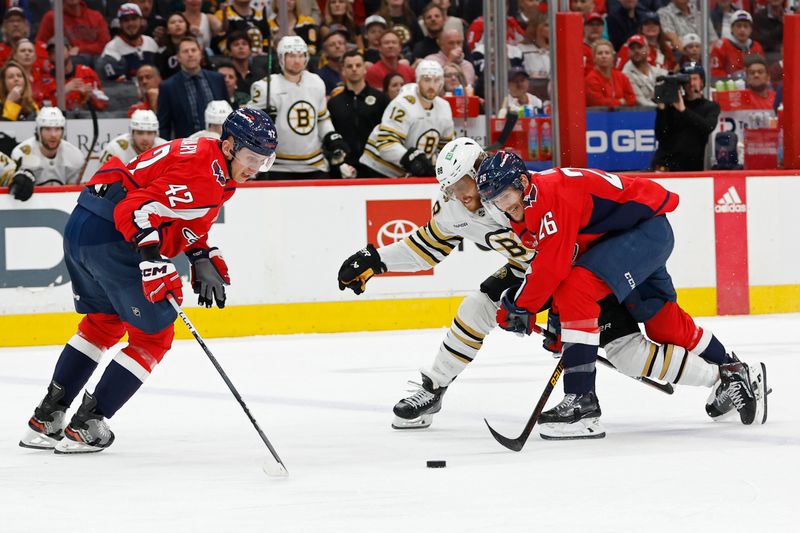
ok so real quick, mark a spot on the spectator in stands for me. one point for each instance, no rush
(16, 95)
(451, 50)
(454, 77)
(241, 16)
(235, 98)
(606, 86)
(391, 61)
(661, 55)
(518, 96)
(593, 26)
(241, 56)
(167, 57)
(536, 54)
(640, 73)
(721, 17)
(586, 7)
(129, 50)
(334, 46)
(204, 26)
(692, 49)
(300, 24)
(357, 109)
(682, 129)
(85, 28)
(514, 33)
(148, 80)
(526, 10)
(681, 17)
(392, 83)
(81, 83)
(454, 20)
(727, 56)
(341, 12)
(182, 99)
(400, 17)
(433, 18)
(154, 23)
(374, 26)
(15, 28)
(768, 27)
(757, 78)
(24, 55)
(623, 21)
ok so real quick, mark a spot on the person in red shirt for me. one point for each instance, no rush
(514, 32)
(390, 62)
(596, 234)
(593, 28)
(85, 28)
(606, 86)
(119, 241)
(727, 56)
(81, 83)
(757, 78)
(15, 28)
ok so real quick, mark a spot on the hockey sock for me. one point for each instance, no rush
(75, 365)
(116, 387)
(579, 368)
(714, 352)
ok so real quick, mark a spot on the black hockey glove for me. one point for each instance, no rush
(513, 318)
(417, 163)
(21, 187)
(359, 267)
(334, 148)
(208, 276)
(503, 279)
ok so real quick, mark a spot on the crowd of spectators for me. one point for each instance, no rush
(175, 56)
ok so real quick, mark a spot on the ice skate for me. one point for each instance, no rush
(576, 417)
(87, 432)
(46, 426)
(416, 411)
(747, 388)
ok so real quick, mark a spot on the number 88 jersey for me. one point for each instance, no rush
(177, 188)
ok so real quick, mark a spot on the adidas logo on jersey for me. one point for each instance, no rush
(730, 202)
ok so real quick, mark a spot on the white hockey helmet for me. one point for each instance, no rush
(217, 111)
(292, 44)
(50, 117)
(432, 69)
(143, 120)
(458, 158)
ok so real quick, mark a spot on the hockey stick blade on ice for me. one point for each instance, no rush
(276, 468)
(508, 127)
(517, 444)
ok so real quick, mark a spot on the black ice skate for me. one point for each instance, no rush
(576, 417)
(719, 405)
(87, 432)
(747, 388)
(416, 411)
(46, 426)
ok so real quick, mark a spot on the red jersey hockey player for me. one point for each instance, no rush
(129, 222)
(597, 233)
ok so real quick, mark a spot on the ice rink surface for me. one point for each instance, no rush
(187, 459)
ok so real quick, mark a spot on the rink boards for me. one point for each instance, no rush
(735, 253)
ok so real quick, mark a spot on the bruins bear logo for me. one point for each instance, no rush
(302, 117)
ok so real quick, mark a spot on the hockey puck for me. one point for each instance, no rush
(436, 464)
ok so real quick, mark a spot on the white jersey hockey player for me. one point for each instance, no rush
(308, 142)
(459, 214)
(7, 170)
(46, 158)
(216, 113)
(415, 125)
(142, 137)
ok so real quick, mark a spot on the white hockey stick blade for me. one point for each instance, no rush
(273, 469)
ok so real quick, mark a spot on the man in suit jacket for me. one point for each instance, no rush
(182, 98)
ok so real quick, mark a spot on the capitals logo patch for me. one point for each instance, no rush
(216, 169)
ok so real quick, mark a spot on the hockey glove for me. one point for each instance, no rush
(513, 318)
(208, 276)
(21, 187)
(552, 334)
(359, 267)
(417, 163)
(160, 278)
(272, 111)
(334, 148)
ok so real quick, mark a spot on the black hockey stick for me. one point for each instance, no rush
(95, 135)
(517, 444)
(272, 469)
(508, 127)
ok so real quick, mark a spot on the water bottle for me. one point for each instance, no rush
(720, 86)
(740, 85)
(458, 91)
(730, 85)
(546, 144)
(533, 141)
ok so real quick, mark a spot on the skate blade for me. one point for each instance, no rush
(588, 428)
(727, 415)
(421, 422)
(68, 446)
(762, 392)
(36, 441)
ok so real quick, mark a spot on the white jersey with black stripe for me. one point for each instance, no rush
(450, 223)
(302, 121)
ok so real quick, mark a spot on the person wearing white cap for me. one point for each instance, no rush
(374, 26)
(143, 135)
(692, 49)
(727, 56)
(129, 50)
(216, 113)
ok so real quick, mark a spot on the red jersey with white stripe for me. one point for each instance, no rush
(177, 188)
(568, 209)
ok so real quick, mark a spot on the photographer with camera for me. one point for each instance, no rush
(684, 120)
